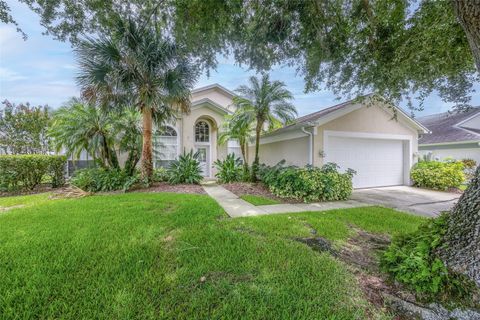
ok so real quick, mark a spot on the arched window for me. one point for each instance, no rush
(202, 132)
(165, 146)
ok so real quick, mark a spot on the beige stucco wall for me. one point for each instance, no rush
(372, 119)
(294, 151)
(215, 121)
(216, 96)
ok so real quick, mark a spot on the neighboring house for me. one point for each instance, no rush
(360, 136)
(454, 135)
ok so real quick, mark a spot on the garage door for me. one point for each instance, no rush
(378, 162)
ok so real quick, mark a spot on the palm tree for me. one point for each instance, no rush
(234, 128)
(263, 102)
(137, 67)
(128, 129)
(79, 126)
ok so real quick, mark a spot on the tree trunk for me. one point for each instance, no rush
(461, 249)
(147, 162)
(243, 148)
(468, 14)
(256, 161)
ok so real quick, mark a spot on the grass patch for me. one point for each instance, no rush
(258, 200)
(24, 201)
(175, 256)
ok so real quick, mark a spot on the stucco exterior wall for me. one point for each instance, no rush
(294, 151)
(216, 96)
(215, 121)
(458, 154)
(372, 119)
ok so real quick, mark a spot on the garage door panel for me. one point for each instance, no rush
(378, 162)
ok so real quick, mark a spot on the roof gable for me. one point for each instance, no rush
(206, 102)
(331, 113)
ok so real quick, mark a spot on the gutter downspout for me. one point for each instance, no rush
(310, 144)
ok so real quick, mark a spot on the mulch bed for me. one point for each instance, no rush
(256, 189)
(176, 188)
(39, 189)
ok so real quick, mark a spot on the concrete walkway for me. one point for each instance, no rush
(236, 207)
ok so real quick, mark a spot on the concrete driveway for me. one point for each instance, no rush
(418, 201)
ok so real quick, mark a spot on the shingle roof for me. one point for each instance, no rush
(445, 128)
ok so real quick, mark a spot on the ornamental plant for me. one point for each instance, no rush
(438, 175)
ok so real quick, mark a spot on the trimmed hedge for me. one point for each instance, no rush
(25, 172)
(99, 179)
(438, 175)
(308, 184)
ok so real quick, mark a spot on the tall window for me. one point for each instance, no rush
(202, 132)
(234, 147)
(165, 146)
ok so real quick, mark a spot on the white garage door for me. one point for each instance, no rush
(378, 162)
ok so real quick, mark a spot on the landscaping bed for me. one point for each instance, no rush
(176, 188)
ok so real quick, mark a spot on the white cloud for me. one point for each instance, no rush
(7, 75)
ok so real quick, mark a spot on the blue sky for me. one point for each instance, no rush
(41, 70)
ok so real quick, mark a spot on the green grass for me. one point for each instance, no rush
(143, 255)
(258, 200)
(28, 200)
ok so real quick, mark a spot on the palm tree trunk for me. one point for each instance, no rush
(255, 164)
(461, 249)
(243, 149)
(147, 161)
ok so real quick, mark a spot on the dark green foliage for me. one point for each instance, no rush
(160, 175)
(25, 172)
(412, 260)
(229, 170)
(24, 129)
(185, 170)
(99, 179)
(438, 175)
(308, 184)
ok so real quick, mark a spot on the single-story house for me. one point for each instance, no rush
(359, 135)
(454, 135)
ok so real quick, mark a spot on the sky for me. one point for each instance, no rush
(41, 70)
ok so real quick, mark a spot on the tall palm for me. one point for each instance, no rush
(79, 126)
(137, 67)
(234, 128)
(263, 102)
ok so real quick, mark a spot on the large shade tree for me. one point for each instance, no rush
(263, 103)
(136, 66)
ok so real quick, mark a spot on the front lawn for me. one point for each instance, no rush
(150, 256)
(258, 200)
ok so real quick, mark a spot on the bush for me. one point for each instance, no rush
(309, 183)
(160, 175)
(411, 259)
(185, 170)
(438, 175)
(25, 172)
(99, 179)
(229, 170)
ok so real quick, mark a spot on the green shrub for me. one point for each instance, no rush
(229, 170)
(411, 259)
(438, 175)
(309, 183)
(25, 172)
(185, 170)
(160, 175)
(99, 179)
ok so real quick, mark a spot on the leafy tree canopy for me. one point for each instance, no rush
(398, 48)
(23, 128)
